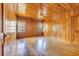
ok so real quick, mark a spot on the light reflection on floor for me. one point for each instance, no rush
(40, 46)
(18, 48)
(21, 48)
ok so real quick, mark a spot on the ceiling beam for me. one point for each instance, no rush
(66, 6)
(52, 8)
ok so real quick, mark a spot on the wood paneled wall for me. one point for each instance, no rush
(31, 28)
(52, 19)
(71, 24)
(61, 17)
(62, 14)
(65, 19)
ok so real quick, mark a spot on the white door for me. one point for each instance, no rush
(9, 29)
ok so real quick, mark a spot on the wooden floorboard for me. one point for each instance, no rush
(41, 46)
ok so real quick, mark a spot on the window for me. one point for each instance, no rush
(21, 8)
(10, 26)
(42, 27)
(45, 28)
(57, 28)
(21, 26)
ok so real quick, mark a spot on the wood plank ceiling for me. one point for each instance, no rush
(32, 9)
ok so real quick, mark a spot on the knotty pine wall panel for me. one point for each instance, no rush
(31, 28)
(70, 18)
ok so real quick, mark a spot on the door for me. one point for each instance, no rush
(9, 29)
(1, 30)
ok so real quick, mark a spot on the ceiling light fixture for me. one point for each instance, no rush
(42, 11)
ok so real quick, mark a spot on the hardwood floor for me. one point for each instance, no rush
(41, 46)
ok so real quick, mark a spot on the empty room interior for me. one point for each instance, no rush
(39, 29)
